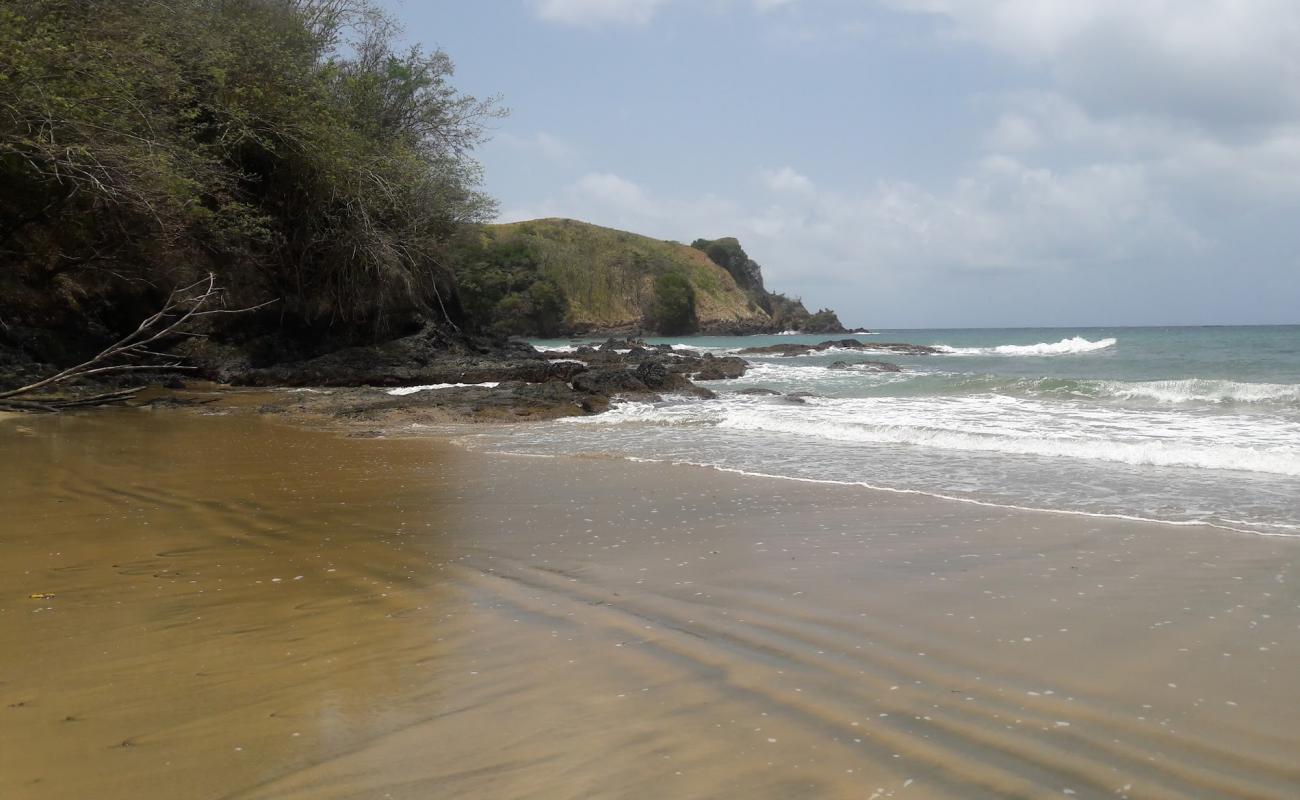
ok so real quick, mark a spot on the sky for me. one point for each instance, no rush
(914, 163)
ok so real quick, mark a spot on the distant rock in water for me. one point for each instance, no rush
(903, 348)
(868, 366)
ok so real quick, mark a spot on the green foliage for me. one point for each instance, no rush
(607, 276)
(823, 321)
(502, 289)
(728, 254)
(288, 145)
(674, 304)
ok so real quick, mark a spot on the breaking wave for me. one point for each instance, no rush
(1199, 390)
(1065, 347)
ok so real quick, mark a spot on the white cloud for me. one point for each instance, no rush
(611, 190)
(631, 13)
(1216, 62)
(1002, 215)
(552, 148)
(594, 13)
(765, 6)
(786, 180)
(1052, 126)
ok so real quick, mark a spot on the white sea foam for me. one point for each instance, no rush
(1150, 452)
(405, 390)
(1199, 390)
(1250, 527)
(1072, 346)
(998, 424)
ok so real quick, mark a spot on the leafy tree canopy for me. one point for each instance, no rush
(289, 145)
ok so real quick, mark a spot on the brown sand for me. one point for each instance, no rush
(244, 609)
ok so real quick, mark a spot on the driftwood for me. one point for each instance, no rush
(138, 350)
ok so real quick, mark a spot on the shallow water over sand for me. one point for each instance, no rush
(243, 609)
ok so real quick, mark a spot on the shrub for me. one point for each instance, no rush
(673, 309)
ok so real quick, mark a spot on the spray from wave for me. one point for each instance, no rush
(1072, 346)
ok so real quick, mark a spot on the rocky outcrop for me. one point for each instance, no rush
(779, 350)
(507, 402)
(715, 368)
(868, 366)
(530, 384)
(901, 348)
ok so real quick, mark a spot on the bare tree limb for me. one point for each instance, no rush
(132, 352)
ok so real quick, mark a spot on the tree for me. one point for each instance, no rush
(289, 146)
(673, 307)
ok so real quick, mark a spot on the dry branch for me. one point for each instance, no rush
(133, 352)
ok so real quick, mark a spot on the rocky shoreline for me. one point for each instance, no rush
(469, 381)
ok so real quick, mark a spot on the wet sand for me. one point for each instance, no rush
(246, 609)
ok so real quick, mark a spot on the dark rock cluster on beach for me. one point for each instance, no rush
(483, 379)
(531, 384)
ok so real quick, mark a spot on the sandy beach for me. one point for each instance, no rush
(227, 606)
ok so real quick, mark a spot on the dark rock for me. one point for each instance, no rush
(904, 348)
(716, 369)
(621, 344)
(413, 360)
(879, 366)
(758, 391)
(609, 382)
(659, 378)
(779, 350)
(511, 400)
(798, 398)
(868, 366)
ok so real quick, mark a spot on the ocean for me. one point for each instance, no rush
(1184, 425)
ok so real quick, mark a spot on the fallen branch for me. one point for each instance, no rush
(50, 404)
(134, 351)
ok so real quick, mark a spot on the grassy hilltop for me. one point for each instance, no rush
(550, 276)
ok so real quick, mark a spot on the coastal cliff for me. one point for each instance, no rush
(549, 277)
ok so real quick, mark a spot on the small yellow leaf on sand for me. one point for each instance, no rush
(41, 595)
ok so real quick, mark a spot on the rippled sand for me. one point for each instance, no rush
(244, 609)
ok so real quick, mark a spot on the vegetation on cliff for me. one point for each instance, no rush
(788, 314)
(595, 278)
(289, 146)
(605, 279)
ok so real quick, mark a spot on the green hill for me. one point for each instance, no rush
(552, 276)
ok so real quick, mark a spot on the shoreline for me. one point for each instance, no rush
(362, 617)
(454, 437)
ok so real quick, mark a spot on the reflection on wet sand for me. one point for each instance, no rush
(250, 610)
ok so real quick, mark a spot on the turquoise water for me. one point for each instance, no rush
(1182, 425)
